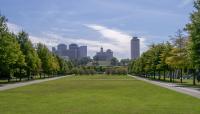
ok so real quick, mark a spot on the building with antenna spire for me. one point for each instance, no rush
(104, 56)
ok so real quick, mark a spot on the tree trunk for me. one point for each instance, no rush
(159, 74)
(154, 74)
(164, 75)
(173, 76)
(40, 75)
(194, 77)
(170, 76)
(171, 72)
(181, 75)
(28, 74)
(20, 74)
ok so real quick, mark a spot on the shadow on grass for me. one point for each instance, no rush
(197, 87)
(178, 83)
(13, 81)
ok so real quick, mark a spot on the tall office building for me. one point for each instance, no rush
(62, 48)
(74, 52)
(135, 48)
(82, 51)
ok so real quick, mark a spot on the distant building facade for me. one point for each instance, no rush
(135, 48)
(74, 52)
(82, 51)
(104, 56)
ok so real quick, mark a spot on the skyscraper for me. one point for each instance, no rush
(82, 51)
(73, 51)
(62, 48)
(135, 48)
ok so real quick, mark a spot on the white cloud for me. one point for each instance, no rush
(143, 44)
(185, 3)
(62, 29)
(51, 40)
(14, 28)
(120, 40)
(115, 40)
(111, 34)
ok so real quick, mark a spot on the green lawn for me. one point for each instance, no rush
(96, 95)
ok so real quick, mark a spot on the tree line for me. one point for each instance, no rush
(175, 59)
(19, 58)
(108, 70)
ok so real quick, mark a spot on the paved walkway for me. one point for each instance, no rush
(20, 84)
(195, 92)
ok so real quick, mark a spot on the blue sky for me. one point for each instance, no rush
(96, 23)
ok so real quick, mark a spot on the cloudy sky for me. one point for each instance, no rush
(96, 23)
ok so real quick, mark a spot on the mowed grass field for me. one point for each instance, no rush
(99, 94)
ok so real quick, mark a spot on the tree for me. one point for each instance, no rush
(114, 61)
(84, 61)
(45, 57)
(10, 53)
(3, 25)
(154, 58)
(194, 38)
(178, 55)
(19, 58)
(124, 62)
(164, 55)
(32, 60)
(54, 63)
(63, 64)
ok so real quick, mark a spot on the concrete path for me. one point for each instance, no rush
(20, 84)
(195, 92)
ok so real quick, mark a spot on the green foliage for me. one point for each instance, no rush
(162, 57)
(50, 63)
(10, 53)
(194, 36)
(84, 61)
(149, 61)
(84, 71)
(19, 58)
(116, 71)
(114, 61)
(178, 55)
(165, 54)
(63, 65)
(33, 62)
(182, 55)
(124, 62)
(3, 25)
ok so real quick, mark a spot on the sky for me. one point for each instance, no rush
(98, 23)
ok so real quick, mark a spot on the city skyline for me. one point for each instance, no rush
(110, 24)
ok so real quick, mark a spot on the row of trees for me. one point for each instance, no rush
(176, 58)
(116, 71)
(91, 70)
(19, 58)
(114, 62)
(122, 62)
